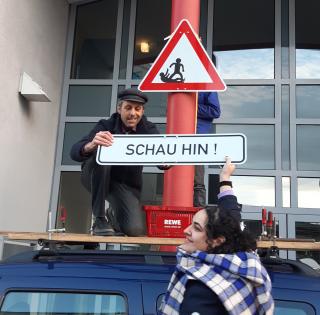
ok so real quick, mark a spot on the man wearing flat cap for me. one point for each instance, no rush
(120, 185)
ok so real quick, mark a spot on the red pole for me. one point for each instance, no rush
(181, 117)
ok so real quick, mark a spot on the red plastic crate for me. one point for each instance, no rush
(168, 221)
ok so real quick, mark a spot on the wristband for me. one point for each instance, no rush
(226, 183)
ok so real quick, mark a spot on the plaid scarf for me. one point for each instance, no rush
(239, 280)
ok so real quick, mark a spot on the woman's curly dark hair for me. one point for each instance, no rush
(222, 223)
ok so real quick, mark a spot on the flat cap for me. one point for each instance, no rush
(133, 95)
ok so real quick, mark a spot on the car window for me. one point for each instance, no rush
(293, 308)
(63, 303)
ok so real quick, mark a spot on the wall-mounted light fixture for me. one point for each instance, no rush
(144, 47)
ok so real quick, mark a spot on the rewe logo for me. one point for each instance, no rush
(172, 222)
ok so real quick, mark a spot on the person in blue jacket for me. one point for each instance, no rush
(208, 110)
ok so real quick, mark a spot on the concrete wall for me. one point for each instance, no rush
(32, 39)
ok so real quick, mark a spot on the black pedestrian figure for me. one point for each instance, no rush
(167, 77)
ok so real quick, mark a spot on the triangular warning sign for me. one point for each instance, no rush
(182, 65)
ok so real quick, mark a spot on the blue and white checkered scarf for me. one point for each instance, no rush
(239, 280)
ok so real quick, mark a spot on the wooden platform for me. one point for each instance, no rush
(290, 244)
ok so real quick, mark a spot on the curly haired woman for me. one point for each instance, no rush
(218, 271)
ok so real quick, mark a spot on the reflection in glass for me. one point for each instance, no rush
(308, 63)
(77, 202)
(238, 64)
(309, 193)
(308, 101)
(254, 190)
(73, 132)
(286, 192)
(248, 102)
(94, 42)
(307, 39)
(250, 190)
(149, 34)
(243, 38)
(260, 144)
(308, 147)
(89, 100)
(308, 230)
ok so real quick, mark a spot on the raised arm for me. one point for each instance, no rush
(226, 198)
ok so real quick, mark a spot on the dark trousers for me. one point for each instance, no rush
(199, 189)
(123, 199)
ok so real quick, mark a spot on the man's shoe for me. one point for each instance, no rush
(111, 218)
(101, 227)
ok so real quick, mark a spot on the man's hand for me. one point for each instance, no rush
(227, 170)
(164, 167)
(103, 138)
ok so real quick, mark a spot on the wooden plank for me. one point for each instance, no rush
(293, 245)
(86, 238)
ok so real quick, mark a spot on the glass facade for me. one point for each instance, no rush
(268, 54)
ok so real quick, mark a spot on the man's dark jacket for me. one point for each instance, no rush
(130, 175)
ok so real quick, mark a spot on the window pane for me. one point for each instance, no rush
(285, 39)
(259, 155)
(250, 190)
(254, 227)
(309, 192)
(77, 202)
(157, 104)
(94, 43)
(308, 147)
(149, 34)
(243, 38)
(308, 230)
(247, 102)
(89, 100)
(308, 101)
(285, 128)
(63, 303)
(255, 191)
(124, 40)
(307, 39)
(286, 192)
(152, 190)
(73, 133)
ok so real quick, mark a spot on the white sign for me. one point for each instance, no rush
(173, 149)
